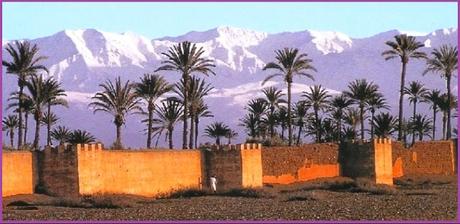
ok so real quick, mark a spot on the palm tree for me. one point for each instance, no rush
(217, 130)
(317, 98)
(329, 130)
(300, 116)
(445, 62)
(361, 91)
(444, 106)
(433, 97)
(81, 137)
(55, 93)
(338, 104)
(27, 108)
(251, 123)
(202, 110)
(353, 119)
(169, 113)
(61, 134)
(10, 123)
(186, 58)
(49, 119)
(273, 97)
(420, 125)
(198, 89)
(25, 64)
(373, 104)
(385, 125)
(404, 48)
(149, 89)
(349, 133)
(416, 93)
(258, 108)
(282, 118)
(118, 100)
(231, 135)
(39, 97)
(288, 64)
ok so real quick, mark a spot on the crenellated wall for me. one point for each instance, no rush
(235, 166)
(91, 169)
(368, 160)
(285, 165)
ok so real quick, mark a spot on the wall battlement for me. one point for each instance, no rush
(91, 169)
(368, 160)
(89, 147)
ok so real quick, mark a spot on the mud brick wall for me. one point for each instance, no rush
(369, 160)
(18, 173)
(284, 165)
(58, 173)
(434, 157)
(140, 172)
(357, 160)
(226, 166)
(237, 166)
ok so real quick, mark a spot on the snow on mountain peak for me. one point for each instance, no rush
(330, 42)
(233, 36)
(101, 49)
(412, 33)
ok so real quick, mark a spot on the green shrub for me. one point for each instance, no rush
(246, 192)
(185, 193)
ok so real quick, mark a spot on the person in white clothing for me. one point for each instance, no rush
(213, 181)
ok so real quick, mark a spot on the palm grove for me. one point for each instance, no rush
(323, 116)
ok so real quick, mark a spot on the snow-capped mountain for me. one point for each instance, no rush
(82, 59)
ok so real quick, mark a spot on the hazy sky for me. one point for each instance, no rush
(32, 20)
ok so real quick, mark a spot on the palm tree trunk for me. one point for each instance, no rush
(413, 117)
(149, 128)
(420, 137)
(217, 140)
(298, 134)
(48, 125)
(448, 135)
(170, 138)
(196, 131)
(118, 140)
(21, 90)
(372, 124)
(272, 131)
(444, 126)
(282, 132)
(361, 117)
(12, 137)
(339, 125)
(26, 118)
(318, 132)
(37, 130)
(289, 114)
(401, 98)
(192, 130)
(184, 119)
(434, 122)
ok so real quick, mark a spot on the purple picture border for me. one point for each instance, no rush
(218, 221)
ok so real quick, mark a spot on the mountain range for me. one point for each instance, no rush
(83, 59)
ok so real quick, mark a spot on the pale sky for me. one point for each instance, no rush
(153, 20)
